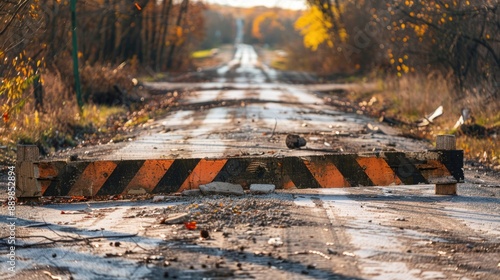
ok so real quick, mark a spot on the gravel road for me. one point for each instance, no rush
(392, 232)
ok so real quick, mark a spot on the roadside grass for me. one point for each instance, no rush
(279, 64)
(412, 97)
(59, 125)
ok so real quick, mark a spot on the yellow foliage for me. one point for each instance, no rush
(314, 27)
(179, 31)
(420, 29)
(259, 20)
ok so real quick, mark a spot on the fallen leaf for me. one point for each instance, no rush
(190, 225)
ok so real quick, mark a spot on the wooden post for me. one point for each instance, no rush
(26, 182)
(446, 142)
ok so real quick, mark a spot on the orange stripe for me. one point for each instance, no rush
(327, 175)
(289, 184)
(149, 175)
(379, 172)
(433, 168)
(205, 172)
(46, 170)
(93, 178)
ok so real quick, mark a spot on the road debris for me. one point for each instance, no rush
(349, 254)
(74, 212)
(194, 192)
(190, 225)
(332, 252)
(262, 188)
(222, 188)
(295, 141)
(204, 234)
(158, 198)
(276, 242)
(464, 118)
(430, 118)
(177, 218)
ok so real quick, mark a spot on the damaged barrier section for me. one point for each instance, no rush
(442, 166)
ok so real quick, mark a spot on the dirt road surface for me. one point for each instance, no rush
(391, 232)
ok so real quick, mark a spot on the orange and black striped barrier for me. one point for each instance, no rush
(112, 177)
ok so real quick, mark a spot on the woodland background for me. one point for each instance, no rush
(421, 53)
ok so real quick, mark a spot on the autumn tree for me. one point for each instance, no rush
(463, 36)
(20, 58)
(403, 36)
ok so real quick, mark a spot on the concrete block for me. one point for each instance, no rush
(222, 188)
(262, 188)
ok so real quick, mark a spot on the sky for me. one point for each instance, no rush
(288, 4)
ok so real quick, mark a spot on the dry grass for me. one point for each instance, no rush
(411, 97)
(61, 124)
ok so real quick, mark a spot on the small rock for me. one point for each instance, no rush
(295, 141)
(349, 254)
(222, 188)
(262, 188)
(156, 257)
(204, 234)
(194, 192)
(332, 252)
(401, 219)
(158, 198)
(275, 242)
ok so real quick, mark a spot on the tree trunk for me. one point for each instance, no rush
(38, 93)
(160, 44)
(183, 10)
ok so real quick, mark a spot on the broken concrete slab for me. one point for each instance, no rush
(222, 188)
(262, 188)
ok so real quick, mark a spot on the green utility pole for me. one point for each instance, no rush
(75, 55)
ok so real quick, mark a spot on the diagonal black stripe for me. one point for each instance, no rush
(298, 172)
(351, 170)
(233, 168)
(405, 168)
(176, 175)
(454, 162)
(120, 177)
(66, 178)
